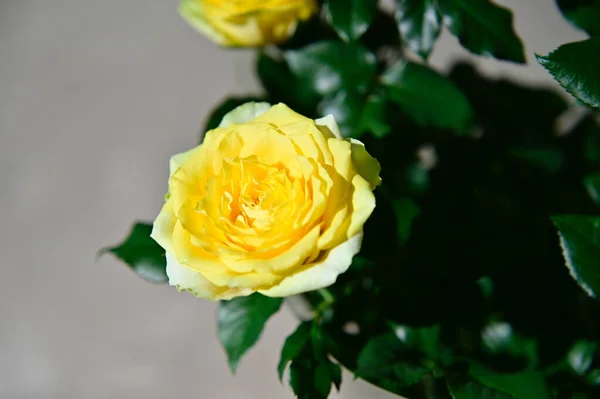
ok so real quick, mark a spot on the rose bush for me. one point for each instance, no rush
(246, 22)
(270, 202)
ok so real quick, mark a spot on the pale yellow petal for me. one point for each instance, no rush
(193, 12)
(244, 113)
(365, 164)
(363, 204)
(329, 127)
(336, 232)
(280, 114)
(320, 274)
(342, 158)
(162, 229)
(186, 279)
(179, 159)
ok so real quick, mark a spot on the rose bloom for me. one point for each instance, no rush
(246, 22)
(270, 202)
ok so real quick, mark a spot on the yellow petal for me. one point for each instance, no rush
(186, 279)
(329, 127)
(193, 12)
(244, 113)
(342, 157)
(363, 203)
(366, 165)
(320, 274)
(278, 259)
(280, 114)
(179, 159)
(162, 229)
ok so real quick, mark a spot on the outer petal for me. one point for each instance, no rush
(320, 274)
(329, 126)
(367, 166)
(280, 114)
(244, 113)
(190, 280)
(179, 159)
(363, 204)
(162, 229)
(193, 13)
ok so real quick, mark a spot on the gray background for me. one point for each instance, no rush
(95, 96)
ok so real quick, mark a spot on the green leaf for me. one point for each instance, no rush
(351, 18)
(311, 378)
(427, 97)
(584, 14)
(592, 185)
(327, 67)
(223, 108)
(346, 107)
(241, 321)
(356, 114)
(145, 257)
(575, 66)
(483, 28)
(373, 117)
(525, 385)
(293, 346)
(384, 361)
(281, 85)
(419, 25)
(580, 241)
(474, 390)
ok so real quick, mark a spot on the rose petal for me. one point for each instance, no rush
(190, 280)
(320, 274)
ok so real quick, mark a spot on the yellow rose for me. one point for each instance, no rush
(270, 202)
(246, 22)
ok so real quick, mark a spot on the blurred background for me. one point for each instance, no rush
(95, 96)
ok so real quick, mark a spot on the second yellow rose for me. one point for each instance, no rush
(246, 23)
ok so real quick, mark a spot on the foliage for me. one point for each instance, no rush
(480, 268)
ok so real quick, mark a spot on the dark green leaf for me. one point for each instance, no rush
(373, 117)
(351, 18)
(427, 96)
(281, 85)
(575, 66)
(241, 321)
(223, 108)
(346, 107)
(311, 378)
(327, 67)
(356, 114)
(419, 25)
(592, 184)
(145, 257)
(335, 371)
(580, 240)
(584, 14)
(385, 362)
(483, 28)
(525, 385)
(475, 390)
(293, 346)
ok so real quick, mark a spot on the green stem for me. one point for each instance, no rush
(328, 300)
